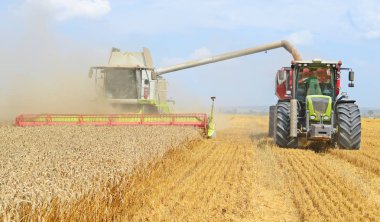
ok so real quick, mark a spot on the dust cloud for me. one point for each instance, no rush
(185, 101)
(43, 71)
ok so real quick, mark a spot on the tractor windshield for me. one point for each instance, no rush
(315, 81)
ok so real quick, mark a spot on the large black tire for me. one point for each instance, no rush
(282, 126)
(272, 110)
(349, 126)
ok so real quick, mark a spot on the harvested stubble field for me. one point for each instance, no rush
(239, 176)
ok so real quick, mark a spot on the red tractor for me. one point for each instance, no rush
(309, 106)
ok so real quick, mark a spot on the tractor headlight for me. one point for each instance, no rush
(312, 117)
(325, 118)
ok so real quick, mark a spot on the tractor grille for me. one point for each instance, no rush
(320, 105)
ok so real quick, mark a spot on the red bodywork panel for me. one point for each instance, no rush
(337, 80)
(281, 86)
(281, 91)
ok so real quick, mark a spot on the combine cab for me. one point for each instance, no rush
(129, 83)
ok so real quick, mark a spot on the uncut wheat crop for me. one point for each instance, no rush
(44, 171)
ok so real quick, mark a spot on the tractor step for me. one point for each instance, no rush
(186, 119)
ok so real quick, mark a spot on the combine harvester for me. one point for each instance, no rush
(308, 104)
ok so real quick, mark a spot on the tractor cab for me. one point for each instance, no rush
(315, 81)
(316, 77)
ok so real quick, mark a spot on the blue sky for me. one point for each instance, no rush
(81, 33)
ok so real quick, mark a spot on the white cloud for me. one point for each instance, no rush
(196, 54)
(329, 20)
(200, 53)
(171, 61)
(366, 19)
(67, 9)
(304, 37)
(374, 34)
(166, 16)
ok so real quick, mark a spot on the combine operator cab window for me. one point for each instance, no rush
(121, 84)
(314, 81)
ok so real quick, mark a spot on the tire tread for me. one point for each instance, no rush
(349, 126)
(282, 126)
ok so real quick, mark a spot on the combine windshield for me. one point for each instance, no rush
(121, 84)
(315, 81)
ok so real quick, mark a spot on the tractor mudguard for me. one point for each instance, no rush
(345, 101)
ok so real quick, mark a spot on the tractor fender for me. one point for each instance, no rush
(283, 100)
(345, 101)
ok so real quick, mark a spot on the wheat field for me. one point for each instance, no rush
(173, 174)
(48, 172)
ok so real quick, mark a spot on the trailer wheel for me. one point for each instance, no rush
(349, 126)
(272, 110)
(282, 126)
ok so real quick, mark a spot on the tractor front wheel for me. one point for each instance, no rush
(349, 126)
(282, 126)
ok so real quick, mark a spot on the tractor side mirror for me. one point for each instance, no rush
(351, 78)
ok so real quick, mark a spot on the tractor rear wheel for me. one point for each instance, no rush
(349, 126)
(282, 126)
(272, 110)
